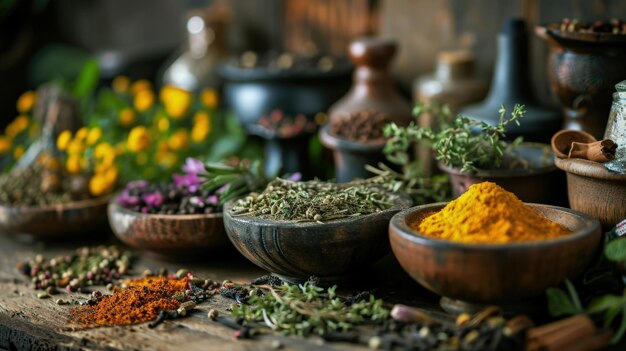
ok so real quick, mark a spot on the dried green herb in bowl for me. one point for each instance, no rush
(314, 201)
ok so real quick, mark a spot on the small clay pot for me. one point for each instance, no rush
(594, 190)
(352, 157)
(538, 183)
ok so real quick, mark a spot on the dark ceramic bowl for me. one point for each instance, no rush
(496, 273)
(595, 191)
(168, 235)
(55, 221)
(296, 251)
(252, 93)
(352, 157)
(537, 183)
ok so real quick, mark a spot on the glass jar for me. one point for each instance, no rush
(616, 128)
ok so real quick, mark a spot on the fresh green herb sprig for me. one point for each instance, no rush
(238, 180)
(314, 201)
(412, 182)
(308, 309)
(464, 143)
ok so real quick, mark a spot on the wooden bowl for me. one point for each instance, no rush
(168, 235)
(497, 273)
(54, 221)
(595, 191)
(562, 141)
(296, 251)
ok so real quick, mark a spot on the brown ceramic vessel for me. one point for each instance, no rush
(595, 191)
(168, 235)
(583, 69)
(494, 273)
(536, 183)
(295, 251)
(77, 218)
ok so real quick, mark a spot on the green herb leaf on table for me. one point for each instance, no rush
(615, 250)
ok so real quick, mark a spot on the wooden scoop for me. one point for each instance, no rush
(599, 151)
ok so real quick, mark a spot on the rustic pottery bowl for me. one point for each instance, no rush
(295, 251)
(54, 221)
(537, 183)
(352, 157)
(168, 235)
(503, 274)
(595, 191)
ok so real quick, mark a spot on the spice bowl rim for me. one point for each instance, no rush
(549, 31)
(333, 141)
(399, 224)
(402, 201)
(71, 205)
(113, 205)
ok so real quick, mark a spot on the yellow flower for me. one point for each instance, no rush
(166, 159)
(19, 124)
(120, 84)
(75, 147)
(127, 117)
(108, 160)
(26, 101)
(144, 100)
(94, 135)
(179, 140)
(84, 163)
(63, 140)
(99, 185)
(209, 98)
(201, 127)
(18, 152)
(102, 150)
(73, 164)
(138, 139)
(140, 85)
(5, 144)
(176, 101)
(111, 175)
(163, 124)
(81, 134)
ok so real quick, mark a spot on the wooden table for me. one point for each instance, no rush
(28, 323)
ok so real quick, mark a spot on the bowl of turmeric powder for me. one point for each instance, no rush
(488, 247)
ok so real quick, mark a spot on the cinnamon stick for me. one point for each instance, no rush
(560, 335)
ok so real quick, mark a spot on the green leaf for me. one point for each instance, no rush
(87, 80)
(622, 328)
(559, 303)
(574, 296)
(615, 250)
(604, 303)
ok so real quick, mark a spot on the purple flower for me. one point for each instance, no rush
(222, 189)
(213, 199)
(296, 177)
(126, 200)
(194, 166)
(154, 199)
(191, 181)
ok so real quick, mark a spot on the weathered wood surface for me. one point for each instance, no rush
(28, 323)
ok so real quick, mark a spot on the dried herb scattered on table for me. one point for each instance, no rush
(307, 309)
(615, 26)
(87, 266)
(314, 201)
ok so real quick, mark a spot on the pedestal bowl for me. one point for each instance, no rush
(168, 235)
(471, 275)
(332, 251)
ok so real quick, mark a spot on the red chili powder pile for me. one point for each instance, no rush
(141, 301)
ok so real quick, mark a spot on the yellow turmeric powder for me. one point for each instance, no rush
(486, 213)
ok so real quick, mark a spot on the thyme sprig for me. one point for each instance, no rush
(464, 143)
